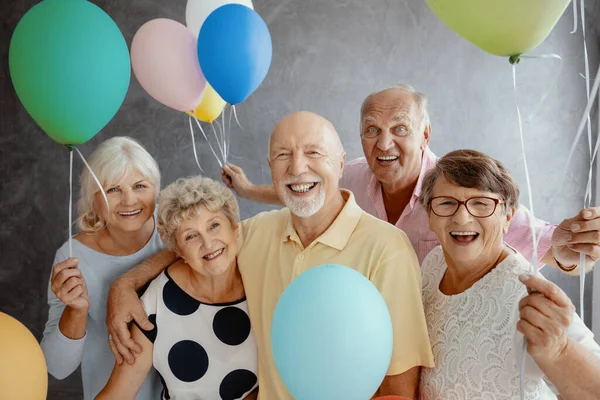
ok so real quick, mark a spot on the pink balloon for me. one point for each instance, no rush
(164, 57)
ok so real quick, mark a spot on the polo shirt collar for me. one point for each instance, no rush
(339, 232)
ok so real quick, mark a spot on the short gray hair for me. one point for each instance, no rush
(472, 169)
(419, 98)
(112, 160)
(182, 199)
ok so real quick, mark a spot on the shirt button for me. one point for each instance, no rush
(301, 257)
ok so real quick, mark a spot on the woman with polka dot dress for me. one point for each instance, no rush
(201, 344)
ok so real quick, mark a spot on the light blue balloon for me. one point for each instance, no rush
(234, 51)
(331, 335)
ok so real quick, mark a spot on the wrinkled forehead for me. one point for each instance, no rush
(390, 105)
(301, 136)
(199, 216)
(443, 187)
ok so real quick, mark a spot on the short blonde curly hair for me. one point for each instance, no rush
(183, 199)
(112, 160)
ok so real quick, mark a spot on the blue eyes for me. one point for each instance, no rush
(372, 131)
(117, 189)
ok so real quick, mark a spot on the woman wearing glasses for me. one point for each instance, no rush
(480, 301)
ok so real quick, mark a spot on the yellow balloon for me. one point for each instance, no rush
(501, 27)
(23, 373)
(210, 107)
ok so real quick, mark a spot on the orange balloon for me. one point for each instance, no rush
(23, 372)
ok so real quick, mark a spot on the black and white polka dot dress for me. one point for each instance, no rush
(202, 351)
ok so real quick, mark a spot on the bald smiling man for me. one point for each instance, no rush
(320, 224)
(395, 133)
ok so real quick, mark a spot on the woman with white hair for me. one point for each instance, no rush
(202, 344)
(110, 242)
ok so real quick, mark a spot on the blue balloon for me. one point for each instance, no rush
(331, 335)
(234, 51)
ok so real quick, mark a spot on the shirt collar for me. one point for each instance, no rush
(339, 232)
(429, 160)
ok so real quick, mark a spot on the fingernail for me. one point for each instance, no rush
(587, 214)
(524, 277)
(575, 227)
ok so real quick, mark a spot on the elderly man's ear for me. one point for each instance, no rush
(342, 163)
(426, 137)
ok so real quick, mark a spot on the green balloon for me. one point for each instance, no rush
(501, 27)
(69, 64)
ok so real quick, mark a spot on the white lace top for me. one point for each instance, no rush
(476, 346)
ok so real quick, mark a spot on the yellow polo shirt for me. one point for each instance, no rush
(271, 255)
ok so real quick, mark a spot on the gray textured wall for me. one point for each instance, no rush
(327, 56)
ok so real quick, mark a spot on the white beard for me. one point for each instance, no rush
(302, 207)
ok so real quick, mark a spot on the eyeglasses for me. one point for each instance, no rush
(479, 207)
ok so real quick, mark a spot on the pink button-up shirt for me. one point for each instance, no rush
(414, 220)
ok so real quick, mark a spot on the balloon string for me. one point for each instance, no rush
(208, 141)
(574, 16)
(542, 56)
(221, 136)
(533, 266)
(587, 72)
(580, 129)
(219, 129)
(582, 123)
(194, 143)
(236, 118)
(588, 189)
(215, 131)
(588, 194)
(99, 186)
(70, 202)
(234, 111)
(534, 260)
(220, 146)
(522, 369)
(228, 137)
(224, 129)
(587, 203)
